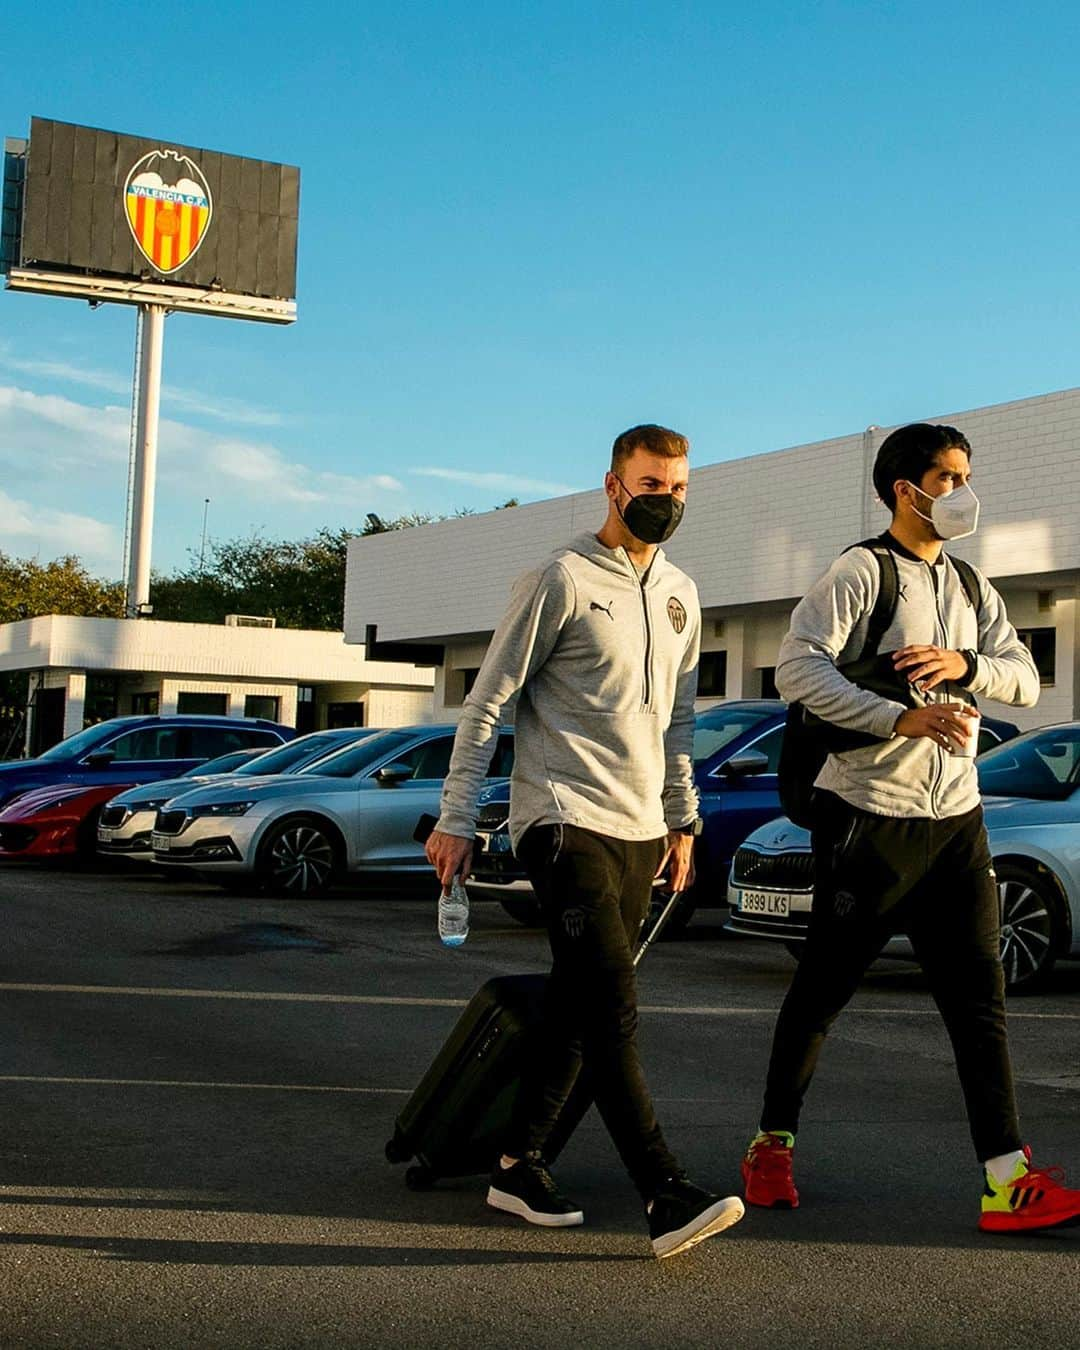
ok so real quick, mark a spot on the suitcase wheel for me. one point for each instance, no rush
(419, 1179)
(397, 1149)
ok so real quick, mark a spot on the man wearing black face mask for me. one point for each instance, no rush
(599, 648)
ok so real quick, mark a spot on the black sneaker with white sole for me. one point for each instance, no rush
(683, 1215)
(528, 1190)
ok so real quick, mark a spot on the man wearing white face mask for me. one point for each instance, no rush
(898, 834)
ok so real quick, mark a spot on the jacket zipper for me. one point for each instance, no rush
(648, 631)
(939, 761)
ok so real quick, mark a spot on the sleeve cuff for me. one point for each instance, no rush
(971, 660)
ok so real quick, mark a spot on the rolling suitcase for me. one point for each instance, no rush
(454, 1122)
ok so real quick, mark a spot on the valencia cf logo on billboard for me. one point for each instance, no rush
(168, 206)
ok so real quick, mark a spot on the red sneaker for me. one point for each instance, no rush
(766, 1172)
(1032, 1198)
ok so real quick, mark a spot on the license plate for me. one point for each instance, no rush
(766, 902)
(105, 834)
(160, 843)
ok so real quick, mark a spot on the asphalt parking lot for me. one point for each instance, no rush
(198, 1088)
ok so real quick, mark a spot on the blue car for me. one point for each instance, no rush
(126, 750)
(736, 753)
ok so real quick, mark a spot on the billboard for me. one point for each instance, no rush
(107, 216)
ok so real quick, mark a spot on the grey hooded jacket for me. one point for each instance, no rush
(603, 668)
(899, 776)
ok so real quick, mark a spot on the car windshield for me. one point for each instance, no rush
(355, 759)
(80, 743)
(720, 726)
(1044, 764)
(291, 755)
(223, 764)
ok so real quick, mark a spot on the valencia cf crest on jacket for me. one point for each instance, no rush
(168, 207)
(676, 612)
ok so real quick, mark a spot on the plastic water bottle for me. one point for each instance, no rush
(454, 914)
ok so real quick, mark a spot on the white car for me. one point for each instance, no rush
(355, 812)
(127, 820)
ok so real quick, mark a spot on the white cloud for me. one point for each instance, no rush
(46, 438)
(28, 530)
(187, 400)
(500, 482)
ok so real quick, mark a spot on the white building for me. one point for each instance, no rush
(757, 532)
(84, 670)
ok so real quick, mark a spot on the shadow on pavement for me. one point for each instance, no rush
(303, 1254)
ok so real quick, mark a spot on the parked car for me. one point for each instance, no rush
(736, 752)
(736, 756)
(127, 750)
(52, 822)
(354, 812)
(1031, 801)
(127, 820)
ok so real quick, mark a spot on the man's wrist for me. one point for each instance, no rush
(692, 827)
(971, 659)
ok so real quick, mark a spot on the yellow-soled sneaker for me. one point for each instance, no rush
(1031, 1199)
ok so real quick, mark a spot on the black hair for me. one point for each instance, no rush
(908, 452)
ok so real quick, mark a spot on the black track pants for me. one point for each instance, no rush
(594, 892)
(933, 879)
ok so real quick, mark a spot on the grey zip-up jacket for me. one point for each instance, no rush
(603, 667)
(899, 776)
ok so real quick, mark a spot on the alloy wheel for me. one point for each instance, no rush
(1027, 929)
(301, 860)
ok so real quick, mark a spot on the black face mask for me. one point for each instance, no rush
(651, 517)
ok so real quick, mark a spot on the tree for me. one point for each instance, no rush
(64, 586)
(29, 589)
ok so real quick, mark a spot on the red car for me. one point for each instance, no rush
(55, 822)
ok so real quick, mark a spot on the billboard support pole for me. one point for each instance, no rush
(144, 468)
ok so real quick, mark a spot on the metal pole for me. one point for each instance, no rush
(202, 546)
(145, 466)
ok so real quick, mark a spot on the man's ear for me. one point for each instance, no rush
(611, 486)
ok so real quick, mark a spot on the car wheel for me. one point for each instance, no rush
(1031, 925)
(298, 857)
(524, 909)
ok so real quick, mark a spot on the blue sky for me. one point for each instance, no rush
(526, 226)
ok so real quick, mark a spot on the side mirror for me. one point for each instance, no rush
(393, 775)
(97, 759)
(746, 764)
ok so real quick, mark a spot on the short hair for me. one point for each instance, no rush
(908, 452)
(656, 440)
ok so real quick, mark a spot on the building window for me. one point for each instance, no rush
(262, 705)
(102, 699)
(712, 675)
(768, 682)
(344, 715)
(1042, 644)
(188, 701)
(468, 679)
(146, 704)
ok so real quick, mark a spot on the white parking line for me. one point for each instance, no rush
(194, 1083)
(381, 1000)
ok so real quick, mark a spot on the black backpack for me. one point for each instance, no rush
(808, 739)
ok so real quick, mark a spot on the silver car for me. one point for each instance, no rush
(355, 812)
(127, 820)
(1031, 802)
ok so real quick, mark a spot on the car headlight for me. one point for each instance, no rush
(222, 809)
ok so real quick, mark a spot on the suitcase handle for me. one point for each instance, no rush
(658, 927)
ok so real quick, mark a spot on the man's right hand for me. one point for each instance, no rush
(450, 855)
(946, 723)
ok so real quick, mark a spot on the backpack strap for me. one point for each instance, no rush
(969, 580)
(881, 616)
